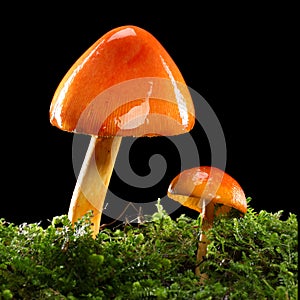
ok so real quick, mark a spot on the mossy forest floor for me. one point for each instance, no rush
(249, 257)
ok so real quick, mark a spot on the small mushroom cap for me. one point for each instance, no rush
(193, 186)
(125, 84)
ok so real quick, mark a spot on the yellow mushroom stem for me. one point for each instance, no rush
(93, 180)
(208, 213)
(207, 216)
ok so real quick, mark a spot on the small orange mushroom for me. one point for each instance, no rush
(125, 84)
(201, 188)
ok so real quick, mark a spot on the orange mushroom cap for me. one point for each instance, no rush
(193, 186)
(125, 84)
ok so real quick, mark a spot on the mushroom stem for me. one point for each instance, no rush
(207, 216)
(93, 180)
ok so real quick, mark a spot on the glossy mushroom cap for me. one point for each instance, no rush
(193, 186)
(125, 84)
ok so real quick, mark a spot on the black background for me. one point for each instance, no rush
(238, 58)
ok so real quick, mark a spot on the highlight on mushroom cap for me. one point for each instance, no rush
(125, 84)
(198, 185)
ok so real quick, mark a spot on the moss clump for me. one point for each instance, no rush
(250, 257)
(254, 257)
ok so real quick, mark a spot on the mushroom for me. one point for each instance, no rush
(125, 84)
(210, 191)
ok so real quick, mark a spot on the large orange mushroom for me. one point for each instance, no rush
(209, 191)
(125, 84)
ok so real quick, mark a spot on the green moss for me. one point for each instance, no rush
(250, 257)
